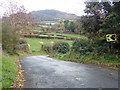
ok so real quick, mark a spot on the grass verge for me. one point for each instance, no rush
(112, 61)
(0, 71)
(9, 69)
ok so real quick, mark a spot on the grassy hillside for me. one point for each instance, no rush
(51, 15)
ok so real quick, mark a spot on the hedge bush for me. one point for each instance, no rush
(10, 39)
(46, 48)
(61, 47)
(22, 41)
(81, 46)
(102, 46)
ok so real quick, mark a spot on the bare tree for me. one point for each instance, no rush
(18, 17)
(15, 21)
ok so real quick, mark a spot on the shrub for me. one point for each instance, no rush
(102, 46)
(61, 47)
(22, 41)
(81, 46)
(24, 47)
(9, 38)
(46, 48)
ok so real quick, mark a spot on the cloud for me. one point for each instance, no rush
(70, 6)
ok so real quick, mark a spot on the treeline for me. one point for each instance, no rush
(101, 18)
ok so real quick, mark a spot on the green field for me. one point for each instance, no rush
(38, 29)
(70, 35)
(53, 35)
(35, 44)
(9, 69)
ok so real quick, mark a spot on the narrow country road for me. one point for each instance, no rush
(45, 72)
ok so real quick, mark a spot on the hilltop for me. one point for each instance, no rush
(52, 15)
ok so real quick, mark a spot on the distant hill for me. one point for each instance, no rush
(52, 15)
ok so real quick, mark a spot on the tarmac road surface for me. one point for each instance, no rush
(46, 72)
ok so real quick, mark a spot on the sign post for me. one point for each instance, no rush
(111, 37)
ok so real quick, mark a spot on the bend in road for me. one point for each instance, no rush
(46, 72)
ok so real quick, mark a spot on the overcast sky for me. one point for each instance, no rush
(69, 6)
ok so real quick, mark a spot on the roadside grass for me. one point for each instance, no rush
(104, 59)
(35, 44)
(0, 71)
(112, 61)
(9, 70)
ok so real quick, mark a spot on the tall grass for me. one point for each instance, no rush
(9, 69)
(0, 70)
(112, 61)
